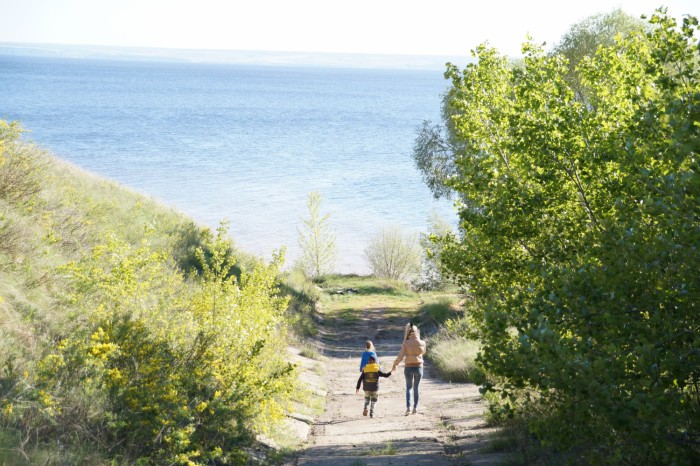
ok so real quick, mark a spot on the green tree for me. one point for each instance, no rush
(393, 254)
(585, 37)
(437, 146)
(435, 151)
(317, 240)
(579, 239)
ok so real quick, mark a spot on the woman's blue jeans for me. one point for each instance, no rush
(413, 376)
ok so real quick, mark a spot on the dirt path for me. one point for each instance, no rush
(447, 430)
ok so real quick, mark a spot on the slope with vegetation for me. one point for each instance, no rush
(127, 333)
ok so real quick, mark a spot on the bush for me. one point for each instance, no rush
(431, 276)
(10, 238)
(394, 255)
(303, 296)
(161, 369)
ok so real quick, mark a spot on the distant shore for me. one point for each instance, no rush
(237, 57)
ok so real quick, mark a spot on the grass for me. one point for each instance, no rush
(387, 450)
(396, 299)
(452, 355)
(56, 217)
(309, 350)
(439, 308)
(344, 297)
(365, 285)
(71, 213)
(75, 210)
(454, 358)
(17, 451)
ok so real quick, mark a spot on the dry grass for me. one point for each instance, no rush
(454, 357)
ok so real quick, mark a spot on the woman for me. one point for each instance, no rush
(413, 349)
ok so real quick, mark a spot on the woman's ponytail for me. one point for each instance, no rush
(409, 329)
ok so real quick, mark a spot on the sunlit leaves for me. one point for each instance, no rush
(172, 369)
(579, 237)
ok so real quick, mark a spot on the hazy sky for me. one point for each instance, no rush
(427, 27)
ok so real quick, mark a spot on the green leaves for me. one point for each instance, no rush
(171, 370)
(580, 233)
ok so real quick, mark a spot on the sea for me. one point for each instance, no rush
(241, 142)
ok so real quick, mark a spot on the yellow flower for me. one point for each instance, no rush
(115, 375)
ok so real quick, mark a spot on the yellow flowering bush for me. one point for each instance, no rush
(168, 368)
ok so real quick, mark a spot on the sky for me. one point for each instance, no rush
(406, 27)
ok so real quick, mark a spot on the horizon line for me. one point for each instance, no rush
(237, 56)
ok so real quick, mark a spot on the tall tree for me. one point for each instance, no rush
(585, 37)
(580, 239)
(317, 240)
(436, 147)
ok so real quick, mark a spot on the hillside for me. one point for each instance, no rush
(125, 326)
(52, 212)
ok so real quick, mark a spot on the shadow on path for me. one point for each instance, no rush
(448, 429)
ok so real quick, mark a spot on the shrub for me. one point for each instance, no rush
(10, 238)
(163, 370)
(438, 309)
(303, 296)
(394, 255)
(431, 276)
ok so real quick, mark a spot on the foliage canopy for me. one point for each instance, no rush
(580, 235)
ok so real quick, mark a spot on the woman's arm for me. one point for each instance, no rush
(400, 357)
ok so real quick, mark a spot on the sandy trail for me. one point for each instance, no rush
(447, 430)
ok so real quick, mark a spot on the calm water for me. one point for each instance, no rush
(243, 143)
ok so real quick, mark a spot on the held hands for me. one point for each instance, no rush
(393, 369)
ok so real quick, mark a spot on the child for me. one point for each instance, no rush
(370, 384)
(369, 351)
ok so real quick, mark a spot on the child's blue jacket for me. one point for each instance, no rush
(365, 358)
